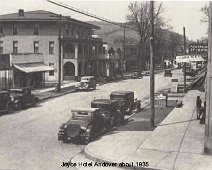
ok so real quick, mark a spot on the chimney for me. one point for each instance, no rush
(20, 12)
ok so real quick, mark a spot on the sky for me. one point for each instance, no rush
(177, 13)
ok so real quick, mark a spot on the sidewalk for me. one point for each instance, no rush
(50, 92)
(177, 143)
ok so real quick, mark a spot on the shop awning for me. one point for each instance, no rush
(33, 67)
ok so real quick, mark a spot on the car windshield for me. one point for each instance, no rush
(81, 115)
(118, 97)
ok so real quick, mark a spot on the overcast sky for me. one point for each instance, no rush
(178, 13)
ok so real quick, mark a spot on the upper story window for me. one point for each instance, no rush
(15, 47)
(51, 47)
(36, 46)
(15, 30)
(1, 47)
(1, 30)
(104, 50)
(67, 30)
(36, 29)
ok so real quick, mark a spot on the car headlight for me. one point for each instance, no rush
(65, 126)
(12, 98)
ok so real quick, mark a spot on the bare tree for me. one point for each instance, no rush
(205, 11)
(139, 18)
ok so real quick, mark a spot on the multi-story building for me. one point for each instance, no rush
(32, 40)
(131, 55)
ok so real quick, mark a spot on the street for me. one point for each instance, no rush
(29, 137)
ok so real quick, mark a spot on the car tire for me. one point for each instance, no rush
(18, 106)
(8, 108)
(34, 101)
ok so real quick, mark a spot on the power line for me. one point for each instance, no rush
(88, 14)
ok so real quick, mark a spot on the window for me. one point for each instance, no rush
(15, 30)
(15, 47)
(36, 29)
(104, 50)
(51, 73)
(1, 30)
(36, 46)
(51, 47)
(67, 30)
(1, 47)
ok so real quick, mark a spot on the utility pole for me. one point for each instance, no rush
(123, 59)
(152, 83)
(59, 66)
(184, 65)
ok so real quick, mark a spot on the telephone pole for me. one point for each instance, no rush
(59, 67)
(152, 81)
(184, 65)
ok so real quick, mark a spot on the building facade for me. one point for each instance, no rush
(131, 55)
(6, 72)
(33, 39)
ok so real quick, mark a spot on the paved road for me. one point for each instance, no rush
(29, 137)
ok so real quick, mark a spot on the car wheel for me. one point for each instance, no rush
(34, 101)
(112, 121)
(18, 106)
(8, 108)
(138, 106)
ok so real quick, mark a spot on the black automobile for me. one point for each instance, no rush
(126, 101)
(110, 109)
(5, 102)
(168, 73)
(84, 125)
(136, 75)
(23, 97)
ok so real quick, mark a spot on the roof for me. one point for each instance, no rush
(33, 67)
(121, 92)
(41, 15)
(3, 92)
(103, 101)
(84, 109)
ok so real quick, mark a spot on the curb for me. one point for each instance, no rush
(56, 95)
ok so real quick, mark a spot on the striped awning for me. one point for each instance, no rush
(33, 67)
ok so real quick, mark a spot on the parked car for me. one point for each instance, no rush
(146, 73)
(136, 75)
(168, 73)
(86, 83)
(85, 125)
(110, 109)
(23, 97)
(126, 101)
(5, 102)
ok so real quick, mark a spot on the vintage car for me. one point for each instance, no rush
(110, 109)
(168, 73)
(86, 83)
(23, 97)
(5, 102)
(85, 125)
(126, 101)
(136, 75)
(146, 73)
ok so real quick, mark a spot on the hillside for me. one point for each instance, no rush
(111, 33)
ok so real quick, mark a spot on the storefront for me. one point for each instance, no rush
(30, 74)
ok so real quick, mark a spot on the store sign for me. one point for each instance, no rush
(200, 48)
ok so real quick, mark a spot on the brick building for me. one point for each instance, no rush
(31, 38)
